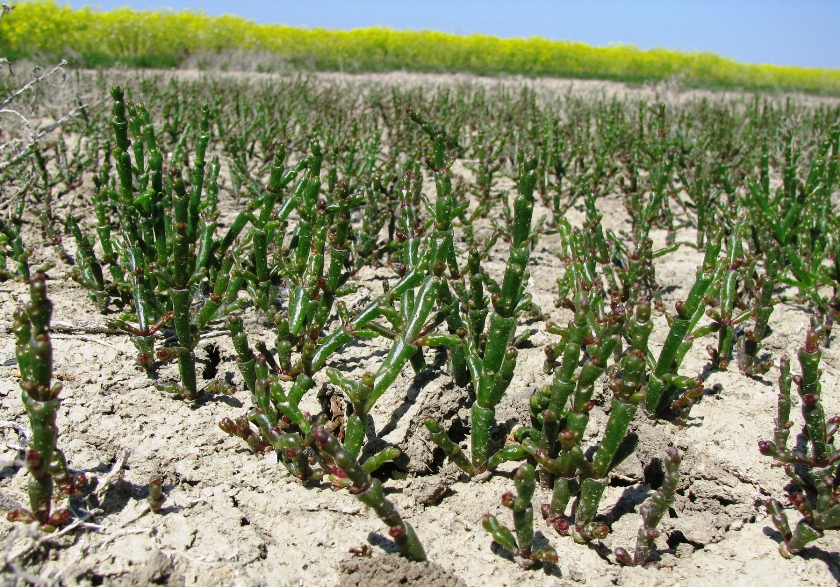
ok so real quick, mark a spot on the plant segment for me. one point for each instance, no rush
(11, 247)
(492, 362)
(44, 460)
(814, 471)
(370, 492)
(665, 380)
(522, 545)
(749, 360)
(652, 512)
(410, 333)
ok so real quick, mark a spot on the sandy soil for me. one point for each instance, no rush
(232, 518)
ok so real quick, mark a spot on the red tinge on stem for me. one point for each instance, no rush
(812, 341)
(508, 499)
(59, 517)
(396, 532)
(764, 447)
(797, 499)
(560, 524)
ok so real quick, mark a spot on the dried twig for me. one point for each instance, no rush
(13, 555)
(83, 327)
(114, 474)
(35, 134)
(86, 338)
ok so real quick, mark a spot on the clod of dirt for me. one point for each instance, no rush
(391, 570)
(432, 394)
(430, 490)
(7, 503)
(158, 570)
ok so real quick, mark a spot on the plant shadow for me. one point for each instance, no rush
(831, 559)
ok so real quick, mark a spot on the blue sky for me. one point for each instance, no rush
(782, 32)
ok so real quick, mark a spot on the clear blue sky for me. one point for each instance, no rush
(782, 32)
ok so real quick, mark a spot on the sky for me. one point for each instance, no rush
(782, 32)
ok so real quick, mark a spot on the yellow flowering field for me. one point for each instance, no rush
(164, 39)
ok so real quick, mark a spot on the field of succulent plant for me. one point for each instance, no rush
(268, 330)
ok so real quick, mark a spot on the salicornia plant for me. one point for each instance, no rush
(370, 492)
(492, 362)
(165, 262)
(521, 545)
(652, 511)
(815, 471)
(44, 460)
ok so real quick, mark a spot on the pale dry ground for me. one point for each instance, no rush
(235, 519)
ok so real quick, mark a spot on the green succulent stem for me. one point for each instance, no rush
(369, 491)
(815, 471)
(783, 423)
(762, 310)
(652, 511)
(44, 461)
(522, 544)
(492, 370)
(680, 325)
(810, 391)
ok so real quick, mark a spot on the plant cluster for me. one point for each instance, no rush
(323, 186)
(165, 263)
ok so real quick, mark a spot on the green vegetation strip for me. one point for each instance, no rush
(90, 37)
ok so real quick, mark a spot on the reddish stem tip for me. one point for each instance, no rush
(396, 532)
